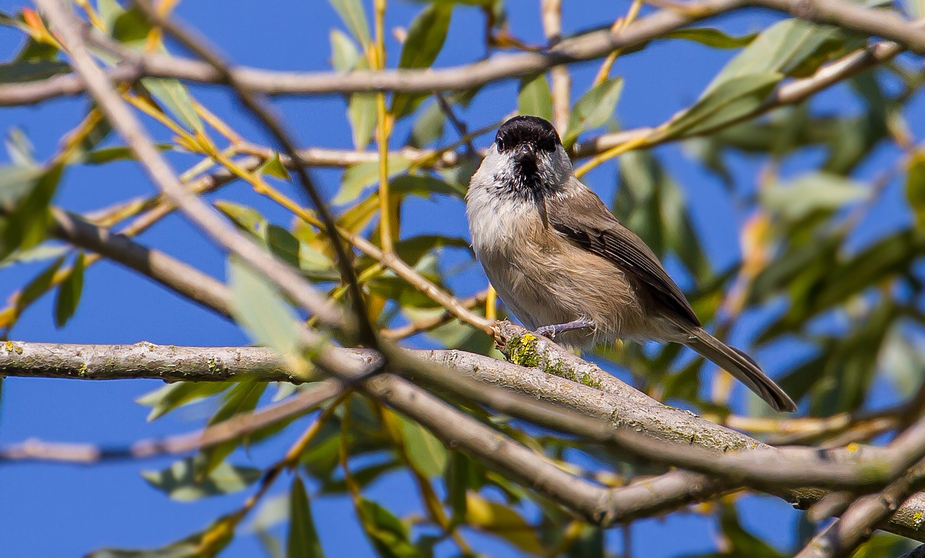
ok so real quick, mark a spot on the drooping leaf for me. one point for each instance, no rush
(359, 177)
(812, 192)
(172, 396)
(176, 99)
(344, 53)
(534, 97)
(425, 452)
(38, 286)
(423, 44)
(593, 110)
(180, 482)
(261, 311)
(502, 521)
(389, 536)
(302, 540)
(26, 225)
(69, 292)
(354, 17)
(361, 111)
(710, 37)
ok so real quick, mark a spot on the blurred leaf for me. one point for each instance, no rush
(423, 44)
(258, 308)
(176, 99)
(242, 398)
(208, 542)
(361, 111)
(779, 49)
(38, 286)
(388, 535)
(179, 481)
(26, 224)
(812, 192)
(69, 292)
(31, 70)
(246, 218)
(40, 253)
(425, 452)
(534, 98)
(428, 126)
(130, 26)
(172, 396)
(589, 544)
(359, 177)
(739, 542)
(344, 53)
(727, 102)
(302, 541)
(710, 37)
(915, 189)
(274, 167)
(354, 17)
(425, 185)
(502, 521)
(110, 154)
(20, 149)
(594, 109)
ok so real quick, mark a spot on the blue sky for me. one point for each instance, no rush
(55, 510)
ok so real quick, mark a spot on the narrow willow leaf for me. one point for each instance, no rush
(172, 396)
(502, 521)
(423, 44)
(302, 540)
(812, 192)
(594, 109)
(38, 286)
(174, 96)
(425, 186)
(110, 154)
(915, 189)
(428, 126)
(249, 220)
(27, 224)
(20, 149)
(31, 70)
(354, 17)
(425, 452)
(344, 53)
(274, 167)
(711, 37)
(359, 177)
(731, 100)
(361, 111)
(180, 483)
(779, 49)
(388, 535)
(534, 98)
(258, 308)
(242, 398)
(69, 292)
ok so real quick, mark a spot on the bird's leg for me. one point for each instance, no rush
(552, 330)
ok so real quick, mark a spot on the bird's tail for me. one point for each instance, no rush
(742, 367)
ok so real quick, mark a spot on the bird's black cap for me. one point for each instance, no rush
(527, 130)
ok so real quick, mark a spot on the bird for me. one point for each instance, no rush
(568, 269)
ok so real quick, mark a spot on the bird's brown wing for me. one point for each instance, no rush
(585, 221)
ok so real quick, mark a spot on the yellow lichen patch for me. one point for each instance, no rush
(523, 351)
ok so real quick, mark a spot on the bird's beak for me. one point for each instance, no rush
(525, 154)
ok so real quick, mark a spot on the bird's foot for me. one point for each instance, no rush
(551, 331)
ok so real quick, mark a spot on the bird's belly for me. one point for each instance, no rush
(556, 282)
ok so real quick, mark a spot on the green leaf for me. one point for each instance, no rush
(359, 177)
(249, 220)
(915, 189)
(17, 180)
(31, 70)
(779, 49)
(20, 149)
(426, 36)
(594, 109)
(388, 535)
(274, 167)
(354, 17)
(733, 99)
(179, 480)
(172, 396)
(176, 99)
(131, 26)
(258, 308)
(534, 98)
(38, 286)
(69, 292)
(302, 541)
(110, 154)
(502, 521)
(425, 452)
(27, 224)
(423, 44)
(711, 37)
(425, 186)
(242, 398)
(810, 193)
(428, 126)
(344, 53)
(214, 538)
(361, 111)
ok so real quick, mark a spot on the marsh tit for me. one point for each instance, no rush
(565, 266)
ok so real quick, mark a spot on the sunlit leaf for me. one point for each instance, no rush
(175, 395)
(302, 541)
(710, 37)
(534, 97)
(26, 225)
(180, 483)
(176, 99)
(388, 535)
(69, 292)
(594, 109)
(344, 53)
(354, 17)
(361, 111)
(261, 311)
(423, 44)
(359, 177)
(425, 452)
(502, 521)
(812, 192)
